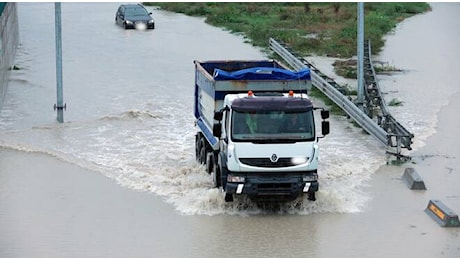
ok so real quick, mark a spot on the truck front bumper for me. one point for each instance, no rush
(272, 188)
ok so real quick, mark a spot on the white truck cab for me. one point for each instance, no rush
(269, 146)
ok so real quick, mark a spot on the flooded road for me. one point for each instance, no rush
(118, 178)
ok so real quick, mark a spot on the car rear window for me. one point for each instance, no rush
(133, 11)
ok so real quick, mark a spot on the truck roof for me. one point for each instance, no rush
(272, 103)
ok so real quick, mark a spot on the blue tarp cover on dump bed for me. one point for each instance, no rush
(262, 73)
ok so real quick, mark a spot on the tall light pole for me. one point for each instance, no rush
(59, 106)
(360, 55)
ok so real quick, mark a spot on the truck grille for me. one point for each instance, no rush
(266, 162)
(276, 192)
(273, 188)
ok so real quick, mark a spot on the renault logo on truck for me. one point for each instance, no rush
(274, 158)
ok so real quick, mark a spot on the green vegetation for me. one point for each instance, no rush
(385, 68)
(333, 108)
(348, 68)
(395, 102)
(310, 28)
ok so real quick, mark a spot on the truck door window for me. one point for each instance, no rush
(240, 127)
(297, 123)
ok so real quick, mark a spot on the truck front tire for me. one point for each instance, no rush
(228, 197)
(215, 173)
(311, 196)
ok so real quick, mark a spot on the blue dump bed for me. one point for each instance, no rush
(262, 73)
(242, 76)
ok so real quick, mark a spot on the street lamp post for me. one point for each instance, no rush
(360, 55)
(59, 106)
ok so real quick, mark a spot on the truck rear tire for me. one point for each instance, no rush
(209, 162)
(197, 147)
(201, 148)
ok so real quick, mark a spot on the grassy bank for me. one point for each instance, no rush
(309, 28)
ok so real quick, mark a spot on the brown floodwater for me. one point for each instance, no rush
(118, 178)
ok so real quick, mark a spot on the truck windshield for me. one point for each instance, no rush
(272, 126)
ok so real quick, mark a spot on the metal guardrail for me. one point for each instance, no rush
(399, 137)
(387, 130)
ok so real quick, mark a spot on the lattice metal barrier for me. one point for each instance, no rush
(398, 136)
(374, 118)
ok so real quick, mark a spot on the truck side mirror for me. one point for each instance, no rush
(325, 128)
(218, 115)
(217, 130)
(324, 114)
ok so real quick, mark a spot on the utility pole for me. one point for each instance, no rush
(360, 55)
(59, 105)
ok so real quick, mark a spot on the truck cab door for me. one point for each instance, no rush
(225, 131)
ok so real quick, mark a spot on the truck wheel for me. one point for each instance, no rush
(215, 173)
(223, 172)
(209, 162)
(197, 148)
(203, 153)
(228, 197)
(311, 196)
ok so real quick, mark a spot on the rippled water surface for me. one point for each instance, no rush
(129, 97)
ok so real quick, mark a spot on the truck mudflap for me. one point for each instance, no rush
(272, 188)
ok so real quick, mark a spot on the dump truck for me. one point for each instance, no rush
(256, 129)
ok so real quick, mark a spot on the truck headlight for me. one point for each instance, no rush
(299, 160)
(232, 178)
